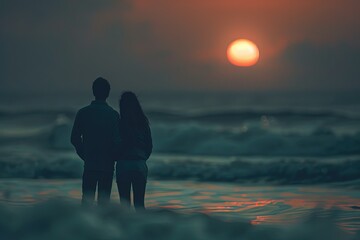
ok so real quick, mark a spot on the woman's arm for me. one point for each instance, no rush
(148, 142)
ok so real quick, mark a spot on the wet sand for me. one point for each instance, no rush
(275, 205)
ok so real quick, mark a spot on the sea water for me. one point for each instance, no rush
(260, 157)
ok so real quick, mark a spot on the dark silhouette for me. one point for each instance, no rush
(95, 138)
(131, 168)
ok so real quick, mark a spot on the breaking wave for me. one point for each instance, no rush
(279, 171)
(286, 171)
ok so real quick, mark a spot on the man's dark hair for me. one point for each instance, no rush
(101, 88)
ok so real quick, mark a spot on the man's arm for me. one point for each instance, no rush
(76, 137)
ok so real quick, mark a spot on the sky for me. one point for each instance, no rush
(168, 45)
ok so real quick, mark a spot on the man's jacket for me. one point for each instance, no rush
(95, 135)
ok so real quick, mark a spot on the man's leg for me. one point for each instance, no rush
(104, 187)
(124, 183)
(139, 185)
(88, 187)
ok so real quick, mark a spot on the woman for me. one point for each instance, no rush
(131, 168)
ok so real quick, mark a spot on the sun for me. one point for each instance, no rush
(243, 53)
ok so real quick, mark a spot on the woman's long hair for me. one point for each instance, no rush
(131, 113)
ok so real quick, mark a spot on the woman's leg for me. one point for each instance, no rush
(139, 185)
(123, 181)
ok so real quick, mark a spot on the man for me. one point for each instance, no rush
(95, 136)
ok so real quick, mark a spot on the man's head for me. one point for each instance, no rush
(101, 88)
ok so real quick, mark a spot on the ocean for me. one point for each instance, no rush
(261, 160)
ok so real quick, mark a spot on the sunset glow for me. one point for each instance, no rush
(243, 53)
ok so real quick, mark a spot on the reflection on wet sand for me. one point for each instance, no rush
(75, 194)
(256, 204)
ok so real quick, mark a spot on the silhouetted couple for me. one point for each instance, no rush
(101, 137)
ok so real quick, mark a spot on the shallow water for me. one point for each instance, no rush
(275, 205)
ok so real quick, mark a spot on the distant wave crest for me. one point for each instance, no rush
(202, 139)
(206, 140)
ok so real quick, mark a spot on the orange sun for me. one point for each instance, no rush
(243, 53)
